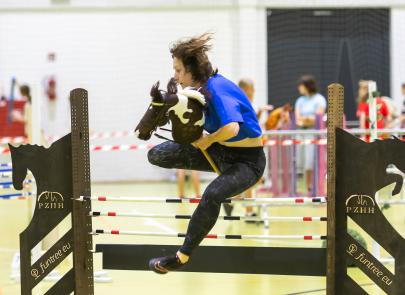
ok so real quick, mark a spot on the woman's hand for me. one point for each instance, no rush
(222, 134)
(308, 121)
(267, 108)
(203, 143)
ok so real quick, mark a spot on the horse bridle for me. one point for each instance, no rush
(158, 118)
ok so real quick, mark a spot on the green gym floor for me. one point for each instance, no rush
(14, 218)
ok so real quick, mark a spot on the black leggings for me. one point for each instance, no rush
(240, 169)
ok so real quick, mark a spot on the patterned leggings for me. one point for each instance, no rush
(240, 169)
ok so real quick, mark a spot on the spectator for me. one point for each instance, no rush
(248, 88)
(2, 94)
(393, 119)
(25, 116)
(195, 179)
(26, 95)
(403, 106)
(279, 117)
(363, 112)
(307, 107)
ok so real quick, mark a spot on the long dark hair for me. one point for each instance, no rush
(25, 91)
(193, 53)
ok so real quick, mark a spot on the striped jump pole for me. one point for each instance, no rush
(9, 184)
(391, 202)
(6, 185)
(18, 196)
(4, 165)
(316, 200)
(209, 236)
(174, 216)
(7, 173)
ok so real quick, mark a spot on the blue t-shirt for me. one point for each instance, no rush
(309, 105)
(229, 104)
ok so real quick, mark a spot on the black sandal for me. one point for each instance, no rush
(163, 265)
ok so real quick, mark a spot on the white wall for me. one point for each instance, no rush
(117, 55)
(397, 54)
(118, 48)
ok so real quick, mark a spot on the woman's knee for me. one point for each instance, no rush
(163, 155)
(154, 156)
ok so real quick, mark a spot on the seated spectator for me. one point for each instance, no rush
(279, 117)
(181, 180)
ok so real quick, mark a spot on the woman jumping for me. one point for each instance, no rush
(234, 143)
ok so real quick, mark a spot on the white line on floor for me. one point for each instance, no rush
(152, 222)
(8, 250)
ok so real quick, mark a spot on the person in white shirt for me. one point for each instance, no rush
(307, 107)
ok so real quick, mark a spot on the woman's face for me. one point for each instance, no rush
(303, 90)
(182, 76)
(363, 91)
(249, 91)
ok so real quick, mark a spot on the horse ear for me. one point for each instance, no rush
(172, 86)
(204, 91)
(155, 92)
(12, 148)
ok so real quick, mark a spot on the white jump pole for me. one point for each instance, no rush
(372, 104)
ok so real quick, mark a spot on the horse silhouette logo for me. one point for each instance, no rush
(50, 200)
(360, 204)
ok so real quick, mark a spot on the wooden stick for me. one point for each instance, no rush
(211, 161)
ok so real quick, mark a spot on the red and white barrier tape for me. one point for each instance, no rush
(122, 147)
(210, 236)
(289, 142)
(130, 133)
(101, 135)
(316, 200)
(104, 148)
(17, 139)
(92, 136)
(247, 218)
(132, 147)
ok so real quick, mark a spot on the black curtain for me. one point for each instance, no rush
(338, 45)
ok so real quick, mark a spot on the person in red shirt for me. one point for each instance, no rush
(363, 112)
